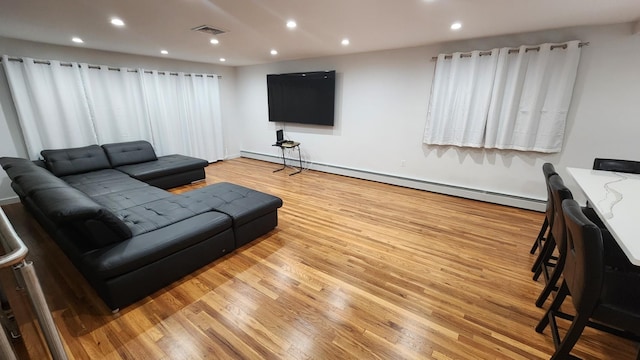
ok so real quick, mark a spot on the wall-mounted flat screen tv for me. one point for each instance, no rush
(303, 98)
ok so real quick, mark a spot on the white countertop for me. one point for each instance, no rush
(616, 199)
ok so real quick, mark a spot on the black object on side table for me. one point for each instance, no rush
(289, 145)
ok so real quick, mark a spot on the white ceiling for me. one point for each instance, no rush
(257, 26)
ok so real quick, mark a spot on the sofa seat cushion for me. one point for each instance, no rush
(131, 152)
(75, 160)
(144, 249)
(95, 189)
(94, 177)
(241, 203)
(164, 166)
(125, 199)
(158, 214)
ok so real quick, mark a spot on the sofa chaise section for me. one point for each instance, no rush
(130, 270)
(254, 213)
(138, 160)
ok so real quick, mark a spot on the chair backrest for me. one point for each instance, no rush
(548, 170)
(625, 166)
(559, 193)
(584, 268)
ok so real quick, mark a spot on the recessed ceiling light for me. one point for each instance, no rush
(223, 59)
(117, 22)
(214, 41)
(345, 42)
(456, 26)
(164, 52)
(77, 40)
(291, 24)
(274, 52)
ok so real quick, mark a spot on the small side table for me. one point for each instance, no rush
(289, 145)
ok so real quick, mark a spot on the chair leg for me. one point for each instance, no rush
(555, 305)
(543, 230)
(571, 337)
(553, 281)
(544, 256)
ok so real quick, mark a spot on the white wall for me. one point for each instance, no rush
(382, 102)
(11, 141)
(381, 111)
(8, 147)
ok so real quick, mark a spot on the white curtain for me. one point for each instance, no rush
(163, 105)
(51, 104)
(186, 113)
(459, 99)
(202, 100)
(115, 97)
(522, 98)
(70, 105)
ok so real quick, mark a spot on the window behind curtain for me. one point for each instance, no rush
(503, 98)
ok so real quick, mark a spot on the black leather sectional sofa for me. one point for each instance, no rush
(127, 237)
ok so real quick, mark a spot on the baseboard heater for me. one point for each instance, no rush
(468, 193)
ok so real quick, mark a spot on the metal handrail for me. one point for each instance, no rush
(16, 251)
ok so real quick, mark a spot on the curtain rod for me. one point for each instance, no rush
(511, 51)
(45, 62)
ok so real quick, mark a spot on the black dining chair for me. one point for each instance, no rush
(556, 240)
(613, 254)
(603, 298)
(616, 165)
(625, 166)
(547, 170)
(550, 266)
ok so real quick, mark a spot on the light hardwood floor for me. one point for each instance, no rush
(354, 270)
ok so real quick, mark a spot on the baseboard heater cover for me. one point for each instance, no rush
(459, 191)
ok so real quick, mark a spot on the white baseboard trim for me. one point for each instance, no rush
(9, 200)
(232, 156)
(468, 193)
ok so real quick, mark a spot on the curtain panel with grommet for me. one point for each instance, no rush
(51, 104)
(62, 105)
(503, 98)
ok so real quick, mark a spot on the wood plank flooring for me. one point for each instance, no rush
(354, 270)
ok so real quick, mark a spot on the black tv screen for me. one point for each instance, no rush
(303, 98)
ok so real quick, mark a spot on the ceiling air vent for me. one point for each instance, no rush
(209, 30)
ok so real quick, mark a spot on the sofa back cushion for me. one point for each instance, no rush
(75, 160)
(36, 180)
(27, 177)
(127, 153)
(8, 162)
